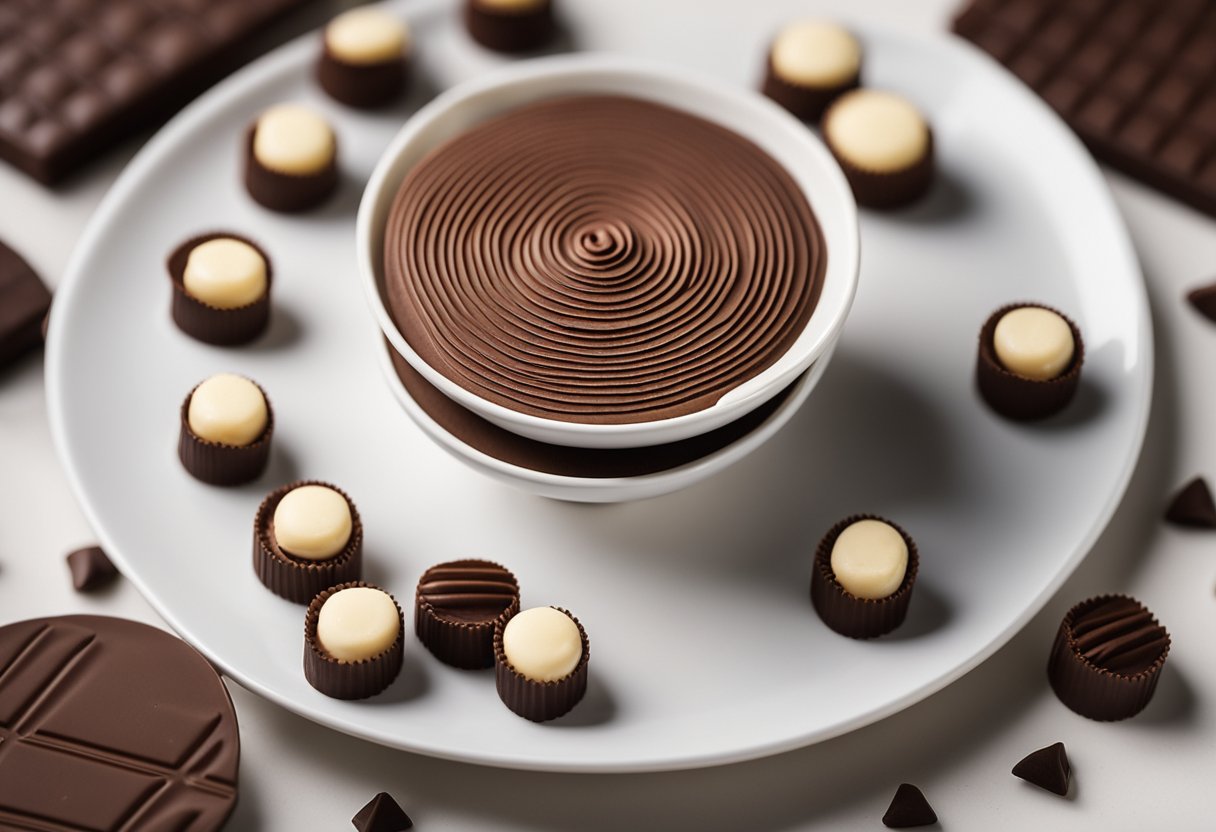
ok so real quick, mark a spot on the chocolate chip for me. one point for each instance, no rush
(1193, 506)
(908, 808)
(90, 568)
(1046, 768)
(1204, 301)
(382, 814)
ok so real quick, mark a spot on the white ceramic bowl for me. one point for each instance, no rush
(784, 138)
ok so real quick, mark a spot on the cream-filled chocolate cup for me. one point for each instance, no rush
(226, 427)
(353, 641)
(862, 577)
(540, 660)
(364, 58)
(307, 536)
(884, 145)
(810, 63)
(221, 288)
(290, 159)
(1029, 360)
(510, 25)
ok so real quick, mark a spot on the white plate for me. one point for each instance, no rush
(705, 646)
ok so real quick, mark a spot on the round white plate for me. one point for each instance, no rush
(705, 646)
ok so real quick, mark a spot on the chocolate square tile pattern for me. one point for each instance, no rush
(78, 75)
(1135, 79)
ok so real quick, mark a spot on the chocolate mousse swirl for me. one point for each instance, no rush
(601, 260)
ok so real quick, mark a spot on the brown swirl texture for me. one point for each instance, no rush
(601, 260)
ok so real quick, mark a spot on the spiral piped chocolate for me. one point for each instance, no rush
(601, 260)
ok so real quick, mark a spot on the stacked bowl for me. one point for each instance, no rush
(602, 280)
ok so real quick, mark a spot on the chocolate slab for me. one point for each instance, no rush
(510, 30)
(1193, 506)
(24, 303)
(349, 680)
(456, 607)
(1017, 397)
(908, 809)
(287, 193)
(1136, 80)
(297, 579)
(111, 724)
(206, 323)
(806, 103)
(571, 260)
(91, 569)
(1046, 768)
(76, 77)
(563, 460)
(364, 86)
(846, 613)
(382, 814)
(540, 701)
(217, 464)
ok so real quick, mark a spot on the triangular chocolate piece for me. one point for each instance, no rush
(1046, 768)
(90, 569)
(908, 808)
(382, 814)
(1193, 506)
(1204, 301)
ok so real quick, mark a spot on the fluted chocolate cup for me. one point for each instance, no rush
(349, 680)
(287, 193)
(510, 30)
(222, 327)
(1017, 397)
(804, 102)
(217, 463)
(843, 611)
(363, 86)
(540, 701)
(457, 606)
(301, 579)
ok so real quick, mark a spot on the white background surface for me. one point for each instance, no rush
(1153, 771)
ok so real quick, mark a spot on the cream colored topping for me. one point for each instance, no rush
(225, 273)
(312, 522)
(542, 644)
(293, 139)
(228, 409)
(367, 35)
(357, 623)
(877, 131)
(816, 53)
(1033, 342)
(869, 559)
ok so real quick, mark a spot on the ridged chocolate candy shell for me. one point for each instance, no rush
(285, 192)
(210, 324)
(364, 86)
(457, 606)
(846, 613)
(349, 680)
(804, 102)
(505, 30)
(218, 464)
(540, 701)
(1016, 397)
(299, 579)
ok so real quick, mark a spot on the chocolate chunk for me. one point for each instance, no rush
(24, 303)
(908, 808)
(1204, 301)
(456, 607)
(111, 724)
(91, 569)
(382, 814)
(77, 77)
(1046, 768)
(1193, 506)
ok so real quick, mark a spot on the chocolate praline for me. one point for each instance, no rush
(220, 463)
(223, 327)
(535, 700)
(357, 679)
(893, 183)
(1017, 397)
(284, 192)
(357, 79)
(846, 613)
(504, 28)
(299, 579)
(808, 93)
(457, 606)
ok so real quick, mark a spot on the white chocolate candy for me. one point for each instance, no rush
(228, 409)
(367, 36)
(869, 559)
(511, 5)
(542, 644)
(225, 273)
(876, 131)
(292, 139)
(1034, 343)
(312, 522)
(816, 53)
(357, 623)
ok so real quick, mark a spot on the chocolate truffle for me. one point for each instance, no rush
(540, 658)
(810, 63)
(1029, 361)
(1107, 657)
(457, 606)
(290, 159)
(510, 25)
(226, 426)
(221, 288)
(307, 536)
(884, 146)
(353, 645)
(862, 577)
(363, 61)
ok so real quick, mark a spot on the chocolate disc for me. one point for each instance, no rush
(573, 260)
(111, 724)
(456, 607)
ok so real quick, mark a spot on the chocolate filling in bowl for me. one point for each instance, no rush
(601, 260)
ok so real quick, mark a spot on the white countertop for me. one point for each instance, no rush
(1153, 771)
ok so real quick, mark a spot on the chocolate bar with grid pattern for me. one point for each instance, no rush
(1135, 79)
(78, 75)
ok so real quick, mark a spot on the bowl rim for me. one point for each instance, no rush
(595, 72)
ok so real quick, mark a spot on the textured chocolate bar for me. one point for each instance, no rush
(1135, 79)
(78, 75)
